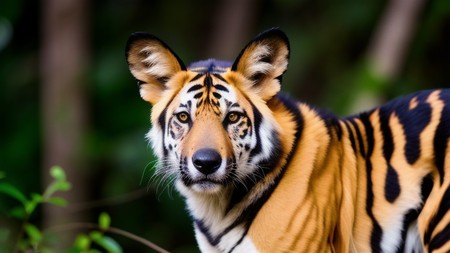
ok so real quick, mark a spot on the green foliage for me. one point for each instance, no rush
(84, 242)
(104, 221)
(30, 237)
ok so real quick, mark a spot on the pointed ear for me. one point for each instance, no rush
(152, 63)
(263, 61)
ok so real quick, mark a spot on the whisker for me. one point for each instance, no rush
(162, 178)
(146, 169)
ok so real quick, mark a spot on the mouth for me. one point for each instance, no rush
(207, 186)
(198, 181)
(204, 185)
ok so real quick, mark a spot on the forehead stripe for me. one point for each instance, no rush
(198, 95)
(220, 78)
(208, 81)
(196, 77)
(220, 87)
(195, 87)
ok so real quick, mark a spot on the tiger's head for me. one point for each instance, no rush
(211, 125)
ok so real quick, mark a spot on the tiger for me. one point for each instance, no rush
(260, 171)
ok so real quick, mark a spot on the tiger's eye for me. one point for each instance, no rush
(183, 117)
(233, 117)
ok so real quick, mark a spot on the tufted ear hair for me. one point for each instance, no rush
(263, 61)
(152, 63)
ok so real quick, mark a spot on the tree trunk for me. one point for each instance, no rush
(386, 53)
(63, 65)
(231, 27)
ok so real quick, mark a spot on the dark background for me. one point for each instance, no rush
(67, 98)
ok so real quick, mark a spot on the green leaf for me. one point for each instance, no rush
(56, 186)
(109, 244)
(62, 186)
(95, 235)
(82, 242)
(33, 232)
(2, 174)
(18, 212)
(30, 206)
(104, 221)
(57, 201)
(38, 198)
(58, 173)
(13, 192)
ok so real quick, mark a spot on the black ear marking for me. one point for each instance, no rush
(140, 36)
(152, 63)
(263, 61)
(272, 33)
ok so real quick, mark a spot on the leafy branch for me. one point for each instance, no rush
(29, 204)
(30, 237)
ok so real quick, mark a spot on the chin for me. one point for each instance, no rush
(201, 187)
(207, 187)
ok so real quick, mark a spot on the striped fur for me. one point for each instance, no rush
(262, 172)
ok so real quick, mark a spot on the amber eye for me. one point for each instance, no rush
(233, 117)
(183, 117)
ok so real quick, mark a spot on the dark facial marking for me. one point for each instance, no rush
(196, 77)
(220, 78)
(195, 87)
(208, 81)
(221, 87)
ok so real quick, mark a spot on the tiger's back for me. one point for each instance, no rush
(262, 172)
(403, 172)
(376, 181)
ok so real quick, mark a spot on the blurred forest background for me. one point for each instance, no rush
(67, 98)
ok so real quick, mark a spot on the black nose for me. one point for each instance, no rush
(206, 160)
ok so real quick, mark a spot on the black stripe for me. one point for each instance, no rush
(442, 135)
(213, 240)
(331, 123)
(257, 119)
(196, 77)
(444, 207)
(198, 95)
(220, 78)
(440, 239)
(221, 87)
(195, 87)
(409, 217)
(205, 231)
(208, 81)
(351, 136)
(388, 143)
(362, 150)
(162, 124)
(377, 232)
(392, 186)
(426, 187)
(414, 123)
